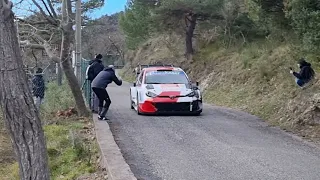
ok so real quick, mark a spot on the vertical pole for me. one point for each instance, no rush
(59, 74)
(78, 39)
(17, 26)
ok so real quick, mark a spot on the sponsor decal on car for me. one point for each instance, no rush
(163, 73)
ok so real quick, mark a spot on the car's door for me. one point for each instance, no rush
(137, 88)
(140, 85)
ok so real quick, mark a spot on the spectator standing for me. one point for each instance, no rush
(38, 88)
(94, 68)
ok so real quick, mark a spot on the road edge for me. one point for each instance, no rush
(111, 156)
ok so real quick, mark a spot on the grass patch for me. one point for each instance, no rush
(256, 79)
(71, 152)
(71, 144)
(56, 98)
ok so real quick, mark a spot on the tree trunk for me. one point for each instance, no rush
(65, 57)
(59, 74)
(192, 22)
(70, 76)
(20, 114)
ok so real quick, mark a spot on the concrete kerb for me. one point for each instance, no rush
(111, 157)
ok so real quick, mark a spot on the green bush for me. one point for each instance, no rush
(305, 16)
(70, 152)
(57, 98)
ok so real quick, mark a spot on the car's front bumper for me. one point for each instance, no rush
(149, 107)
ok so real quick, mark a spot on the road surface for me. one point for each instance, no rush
(221, 144)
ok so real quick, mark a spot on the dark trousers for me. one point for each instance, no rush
(104, 100)
(94, 102)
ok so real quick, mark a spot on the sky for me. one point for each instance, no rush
(110, 7)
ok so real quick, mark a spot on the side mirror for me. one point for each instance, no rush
(134, 84)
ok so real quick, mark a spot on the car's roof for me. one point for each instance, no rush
(162, 68)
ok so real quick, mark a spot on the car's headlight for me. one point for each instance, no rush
(191, 94)
(151, 94)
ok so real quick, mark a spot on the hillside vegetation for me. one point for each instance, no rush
(241, 52)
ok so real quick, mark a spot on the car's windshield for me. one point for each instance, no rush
(166, 77)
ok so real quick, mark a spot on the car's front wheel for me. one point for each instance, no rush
(131, 102)
(138, 109)
(198, 113)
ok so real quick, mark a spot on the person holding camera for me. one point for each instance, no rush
(306, 73)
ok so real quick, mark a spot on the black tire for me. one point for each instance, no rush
(198, 113)
(131, 102)
(138, 111)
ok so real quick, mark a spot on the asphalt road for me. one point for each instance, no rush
(221, 144)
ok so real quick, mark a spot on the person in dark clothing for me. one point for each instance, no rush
(38, 88)
(306, 73)
(99, 85)
(95, 66)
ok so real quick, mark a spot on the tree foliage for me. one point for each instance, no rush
(232, 20)
(135, 23)
(305, 16)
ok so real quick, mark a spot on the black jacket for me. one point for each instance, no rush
(96, 66)
(38, 86)
(104, 78)
(306, 72)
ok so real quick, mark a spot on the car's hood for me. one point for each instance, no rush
(176, 89)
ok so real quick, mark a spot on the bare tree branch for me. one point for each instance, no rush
(43, 44)
(18, 2)
(117, 48)
(36, 29)
(27, 44)
(50, 20)
(32, 22)
(35, 57)
(52, 9)
(45, 5)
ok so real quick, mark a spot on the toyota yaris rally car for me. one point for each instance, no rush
(163, 90)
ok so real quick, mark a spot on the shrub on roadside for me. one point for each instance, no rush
(57, 98)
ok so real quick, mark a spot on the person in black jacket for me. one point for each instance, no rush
(99, 85)
(306, 73)
(38, 88)
(95, 67)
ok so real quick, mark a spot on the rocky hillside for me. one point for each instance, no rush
(254, 78)
(247, 68)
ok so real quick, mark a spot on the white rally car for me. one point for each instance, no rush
(165, 89)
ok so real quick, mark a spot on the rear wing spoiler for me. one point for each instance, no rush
(140, 67)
